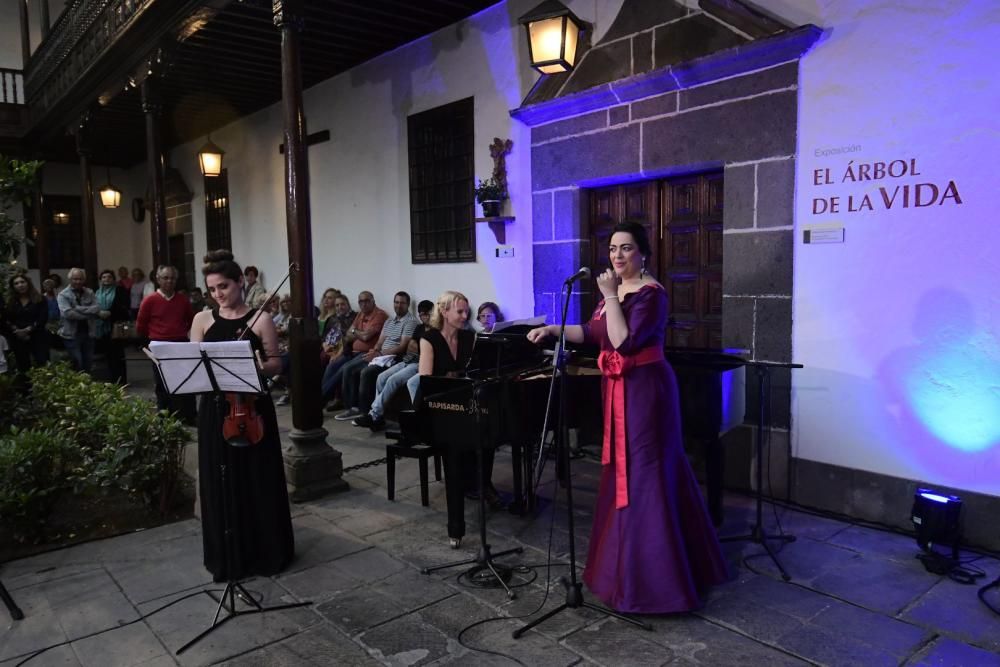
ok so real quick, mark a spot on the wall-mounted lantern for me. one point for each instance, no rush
(553, 35)
(210, 159)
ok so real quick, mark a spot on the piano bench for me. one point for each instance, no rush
(418, 451)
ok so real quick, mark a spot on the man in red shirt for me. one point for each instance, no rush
(166, 315)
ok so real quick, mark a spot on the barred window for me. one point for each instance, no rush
(218, 234)
(442, 221)
(64, 215)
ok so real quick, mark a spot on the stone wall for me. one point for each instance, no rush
(744, 124)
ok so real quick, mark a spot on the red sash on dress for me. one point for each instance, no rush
(614, 366)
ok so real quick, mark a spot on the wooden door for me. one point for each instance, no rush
(691, 255)
(635, 202)
(683, 217)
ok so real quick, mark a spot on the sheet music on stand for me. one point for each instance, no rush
(201, 368)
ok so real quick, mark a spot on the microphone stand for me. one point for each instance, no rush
(574, 588)
(758, 534)
(15, 611)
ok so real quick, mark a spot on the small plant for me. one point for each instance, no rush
(33, 471)
(490, 190)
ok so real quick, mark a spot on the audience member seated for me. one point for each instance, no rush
(396, 377)
(281, 315)
(361, 372)
(341, 340)
(253, 292)
(326, 308)
(488, 315)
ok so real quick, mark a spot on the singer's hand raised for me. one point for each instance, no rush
(608, 282)
(538, 334)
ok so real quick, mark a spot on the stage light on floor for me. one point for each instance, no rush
(936, 519)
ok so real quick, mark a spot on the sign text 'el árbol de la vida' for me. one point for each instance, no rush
(893, 185)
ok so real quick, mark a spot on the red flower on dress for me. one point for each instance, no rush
(611, 363)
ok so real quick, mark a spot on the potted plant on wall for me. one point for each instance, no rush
(491, 195)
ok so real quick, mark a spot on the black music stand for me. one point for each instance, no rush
(249, 385)
(574, 587)
(484, 570)
(758, 534)
(15, 611)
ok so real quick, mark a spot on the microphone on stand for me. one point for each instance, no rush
(582, 274)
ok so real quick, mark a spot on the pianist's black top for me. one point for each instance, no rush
(444, 363)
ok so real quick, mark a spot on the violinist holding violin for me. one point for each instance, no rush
(263, 525)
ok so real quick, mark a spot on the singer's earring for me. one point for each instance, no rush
(642, 271)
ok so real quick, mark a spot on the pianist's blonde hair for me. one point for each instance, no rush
(445, 302)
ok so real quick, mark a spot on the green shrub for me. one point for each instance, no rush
(143, 452)
(119, 442)
(11, 402)
(33, 467)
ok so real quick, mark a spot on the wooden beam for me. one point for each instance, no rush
(84, 146)
(22, 6)
(152, 105)
(311, 140)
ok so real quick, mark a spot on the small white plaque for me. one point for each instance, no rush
(823, 235)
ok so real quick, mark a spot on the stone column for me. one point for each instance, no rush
(83, 149)
(312, 467)
(152, 105)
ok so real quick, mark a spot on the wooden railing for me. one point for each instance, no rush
(11, 86)
(83, 32)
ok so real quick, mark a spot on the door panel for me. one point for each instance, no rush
(683, 217)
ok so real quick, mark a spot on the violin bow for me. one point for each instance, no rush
(267, 298)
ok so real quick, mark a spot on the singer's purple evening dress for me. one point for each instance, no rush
(657, 554)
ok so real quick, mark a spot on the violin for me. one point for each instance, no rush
(243, 426)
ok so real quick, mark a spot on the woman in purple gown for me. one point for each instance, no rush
(653, 549)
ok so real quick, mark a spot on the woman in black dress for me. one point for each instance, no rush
(445, 351)
(259, 502)
(26, 316)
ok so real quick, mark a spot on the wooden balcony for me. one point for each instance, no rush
(217, 60)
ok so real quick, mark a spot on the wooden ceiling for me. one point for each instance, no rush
(231, 67)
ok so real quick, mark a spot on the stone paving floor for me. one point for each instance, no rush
(857, 595)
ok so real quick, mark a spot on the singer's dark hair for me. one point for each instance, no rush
(221, 261)
(638, 233)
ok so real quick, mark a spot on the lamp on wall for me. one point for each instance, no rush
(553, 35)
(210, 159)
(111, 197)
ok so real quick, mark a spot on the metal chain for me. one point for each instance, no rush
(369, 464)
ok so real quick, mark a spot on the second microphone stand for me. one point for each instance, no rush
(758, 534)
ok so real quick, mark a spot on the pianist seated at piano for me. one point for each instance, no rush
(488, 315)
(653, 548)
(445, 351)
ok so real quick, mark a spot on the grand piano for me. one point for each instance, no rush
(502, 401)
